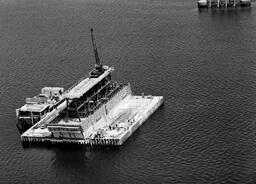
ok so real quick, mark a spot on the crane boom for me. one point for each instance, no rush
(97, 59)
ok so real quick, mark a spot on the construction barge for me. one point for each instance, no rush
(223, 3)
(94, 111)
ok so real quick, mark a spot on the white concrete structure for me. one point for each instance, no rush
(113, 127)
(116, 127)
(113, 117)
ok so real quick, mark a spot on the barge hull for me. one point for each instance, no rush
(142, 108)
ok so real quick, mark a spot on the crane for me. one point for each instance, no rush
(97, 59)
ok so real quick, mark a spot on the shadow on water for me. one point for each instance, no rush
(51, 146)
(74, 147)
(231, 11)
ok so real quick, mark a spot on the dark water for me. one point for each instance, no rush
(203, 63)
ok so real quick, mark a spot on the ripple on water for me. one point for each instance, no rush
(201, 62)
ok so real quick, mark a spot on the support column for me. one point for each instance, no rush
(32, 118)
(78, 113)
(67, 109)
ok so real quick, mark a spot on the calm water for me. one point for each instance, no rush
(203, 63)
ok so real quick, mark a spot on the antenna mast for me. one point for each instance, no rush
(97, 59)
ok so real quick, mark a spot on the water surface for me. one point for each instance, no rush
(202, 62)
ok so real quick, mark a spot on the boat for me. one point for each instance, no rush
(245, 2)
(95, 111)
(202, 3)
(222, 3)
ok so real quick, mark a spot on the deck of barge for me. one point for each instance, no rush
(123, 120)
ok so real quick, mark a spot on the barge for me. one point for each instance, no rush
(223, 3)
(94, 111)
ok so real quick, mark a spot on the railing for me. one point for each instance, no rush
(109, 97)
(98, 91)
